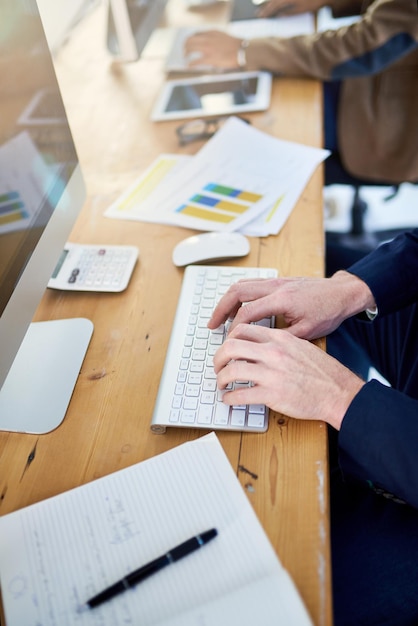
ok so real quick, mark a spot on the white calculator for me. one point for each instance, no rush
(94, 268)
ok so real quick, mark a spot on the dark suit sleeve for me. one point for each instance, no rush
(378, 441)
(391, 272)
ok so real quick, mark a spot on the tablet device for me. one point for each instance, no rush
(209, 95)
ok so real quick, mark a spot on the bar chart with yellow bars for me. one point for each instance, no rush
(219, 203)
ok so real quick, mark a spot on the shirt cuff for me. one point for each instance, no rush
(368, 315)
(372, 313)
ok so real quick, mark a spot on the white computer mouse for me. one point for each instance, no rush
(209, 247)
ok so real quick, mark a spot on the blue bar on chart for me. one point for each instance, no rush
(12, 208)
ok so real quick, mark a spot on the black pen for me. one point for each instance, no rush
(153, 567)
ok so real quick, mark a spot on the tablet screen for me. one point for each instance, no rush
(214, 96)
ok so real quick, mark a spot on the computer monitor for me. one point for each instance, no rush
(41, 194)
(130, 25)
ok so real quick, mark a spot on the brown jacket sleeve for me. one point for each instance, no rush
(321, 55)
(376, 59)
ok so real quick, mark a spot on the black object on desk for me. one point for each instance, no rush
(153, 567)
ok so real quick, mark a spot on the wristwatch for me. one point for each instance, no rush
(242, 54)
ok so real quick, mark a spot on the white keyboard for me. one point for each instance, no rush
(188, 396)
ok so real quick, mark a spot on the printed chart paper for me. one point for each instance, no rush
(226, 186)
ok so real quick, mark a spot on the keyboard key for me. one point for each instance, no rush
(174, 415)
(255, 420)
(221, 413)
(238, 417)
(205, 413)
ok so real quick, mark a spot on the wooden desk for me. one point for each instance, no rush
(283, 472)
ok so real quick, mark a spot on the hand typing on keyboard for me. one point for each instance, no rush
(309, 306)
(288, 373)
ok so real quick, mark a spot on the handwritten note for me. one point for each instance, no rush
(56, 554)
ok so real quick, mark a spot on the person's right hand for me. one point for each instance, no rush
(288, 374)
(311, 307)
(272, 8)
(213, 48)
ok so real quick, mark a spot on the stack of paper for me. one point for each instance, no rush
(242, 179)
(57, 554)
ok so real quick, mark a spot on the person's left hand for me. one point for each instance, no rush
(311, 307)
(213, 48)
(290, 375)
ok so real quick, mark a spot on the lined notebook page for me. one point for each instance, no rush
(56, 554)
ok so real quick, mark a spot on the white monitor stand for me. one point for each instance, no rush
(40, 383)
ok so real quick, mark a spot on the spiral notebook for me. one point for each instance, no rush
(56, 554)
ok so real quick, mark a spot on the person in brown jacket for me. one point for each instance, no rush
(370, 75)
